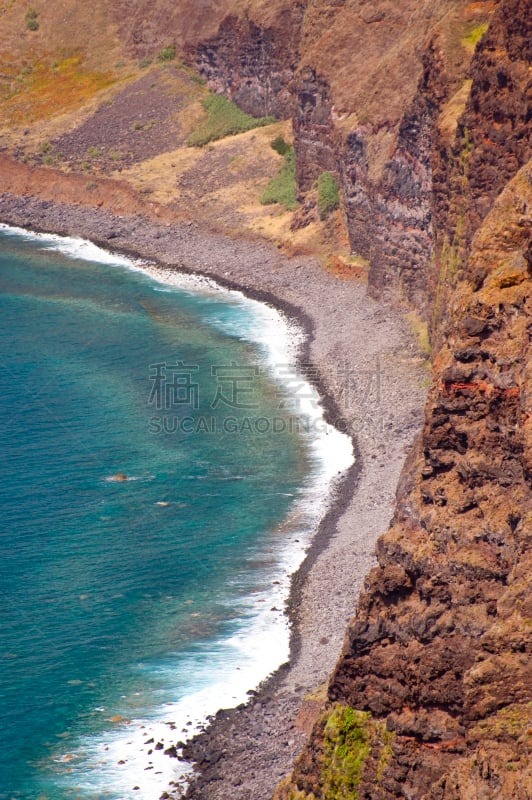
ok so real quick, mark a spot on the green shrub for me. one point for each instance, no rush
(346, 748)
(280, 146)
(328, 196)
(166, 54)
(224, 119)
(45, 147)
(93, 152)
(31, 20)
(282, 188)
(144, 62)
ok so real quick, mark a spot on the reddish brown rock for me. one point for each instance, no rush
(440, 648)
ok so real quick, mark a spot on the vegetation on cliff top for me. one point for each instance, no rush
(31, 20)
(43, 87)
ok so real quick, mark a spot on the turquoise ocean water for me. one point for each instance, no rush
(155, 497)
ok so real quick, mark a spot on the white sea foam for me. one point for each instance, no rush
(118, 760)
(263, 643)
(281, 340)
(71, 246)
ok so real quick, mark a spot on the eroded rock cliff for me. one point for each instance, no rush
(374, 96)
(437, 660)
(431, 697)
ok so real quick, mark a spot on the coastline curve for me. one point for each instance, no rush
(382, 426)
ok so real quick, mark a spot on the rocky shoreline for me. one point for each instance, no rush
(370, 375)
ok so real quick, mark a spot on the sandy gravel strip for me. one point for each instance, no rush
(372, 380)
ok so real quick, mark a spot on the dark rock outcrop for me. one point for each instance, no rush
(493, 141)
(496, 124)
(316, 141)
(253, 64)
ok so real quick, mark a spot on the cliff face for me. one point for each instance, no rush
(365, 89)
(438, 655)
(496, 123)
(375, 96)
(253, 64)
(492, 141)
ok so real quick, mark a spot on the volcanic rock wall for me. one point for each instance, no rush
(431, 697)
(438, 657)
(498, 113)
(492, 142)
(253, 64)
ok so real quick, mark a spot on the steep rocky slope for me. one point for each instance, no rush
(431, 697)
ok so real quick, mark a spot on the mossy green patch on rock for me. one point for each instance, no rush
(474, 35)
(420, 329)
(512, 722)
(346, 748)
(328, 195)
(354, 748)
